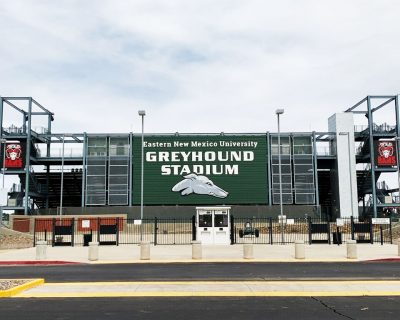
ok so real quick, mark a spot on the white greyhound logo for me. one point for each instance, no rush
(199, 185)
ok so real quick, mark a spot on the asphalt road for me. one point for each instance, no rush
(207, 271)
(201, 308)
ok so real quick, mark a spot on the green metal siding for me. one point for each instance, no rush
(239, 168)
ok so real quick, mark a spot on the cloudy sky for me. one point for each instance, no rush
(198, 66)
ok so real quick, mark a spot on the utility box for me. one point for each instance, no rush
(213, 225)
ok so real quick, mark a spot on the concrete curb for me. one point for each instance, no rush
(191, 261)
(14, 291)
(36, 262)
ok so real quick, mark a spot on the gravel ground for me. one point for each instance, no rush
(6, 284)
(15, 241)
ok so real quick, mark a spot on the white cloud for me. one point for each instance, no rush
(197, 66)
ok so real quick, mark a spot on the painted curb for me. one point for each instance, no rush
(36, 262)
(193, 261)
(13, 291)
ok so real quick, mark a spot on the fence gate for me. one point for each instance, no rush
(108, 231)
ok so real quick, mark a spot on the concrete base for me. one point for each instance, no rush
(398, 247)
(351, 249)
(93, 251)
(197, 253)
(41, 248)
(248, 252)
(299, 249)
(145, 250)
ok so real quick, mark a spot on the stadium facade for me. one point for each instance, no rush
(338, 173)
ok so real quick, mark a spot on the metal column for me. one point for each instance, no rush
(269, 172)
(372, 155)
(130, 168)
(48, 156)
(314, 151)
(28, 157)
(396, 108)
(84, 151)
(1, 117)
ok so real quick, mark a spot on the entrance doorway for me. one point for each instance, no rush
(213, 225)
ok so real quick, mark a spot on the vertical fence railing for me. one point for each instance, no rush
(170, 231)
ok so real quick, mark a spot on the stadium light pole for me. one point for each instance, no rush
(278, 113)
(141, 113)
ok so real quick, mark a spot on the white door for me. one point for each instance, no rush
(221, 227)
(205, 227)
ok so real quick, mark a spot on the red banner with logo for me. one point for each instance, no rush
(385, 153)
(13, 156)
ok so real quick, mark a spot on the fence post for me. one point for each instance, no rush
(371, 233)
(352, 227)
(155, 230)
(380, 227)
(117, 235)
(34, 232)
(309, 230)
(174, 231)
(53, 237)
(338, 237)
(233, 233)
(270, 231)
(390, 230)
(98, 230)
(73, 232)
(328, 231)
(193, 228)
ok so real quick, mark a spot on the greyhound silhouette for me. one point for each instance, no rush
(199, 185)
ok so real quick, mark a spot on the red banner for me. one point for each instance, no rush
(386, 153)
(13, 158)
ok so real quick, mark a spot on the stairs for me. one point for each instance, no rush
(72, 189)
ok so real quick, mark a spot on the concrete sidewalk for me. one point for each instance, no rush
(214, 289)
(183, 253)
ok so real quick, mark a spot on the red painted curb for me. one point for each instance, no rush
(13, 263)
(384, 260)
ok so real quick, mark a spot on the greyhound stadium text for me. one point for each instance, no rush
(200, 156)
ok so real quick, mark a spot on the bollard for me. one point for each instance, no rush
(41, 247)
(196, 250)
(93, 251)
(351, 249)
(299, 249)
(398, 247)
(145, 250)
(248, 249)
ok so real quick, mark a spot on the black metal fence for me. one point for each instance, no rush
(310, 230)
(112, 231)
(118, 231)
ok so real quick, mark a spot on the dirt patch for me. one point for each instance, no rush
(14, 240)
(6, 284)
